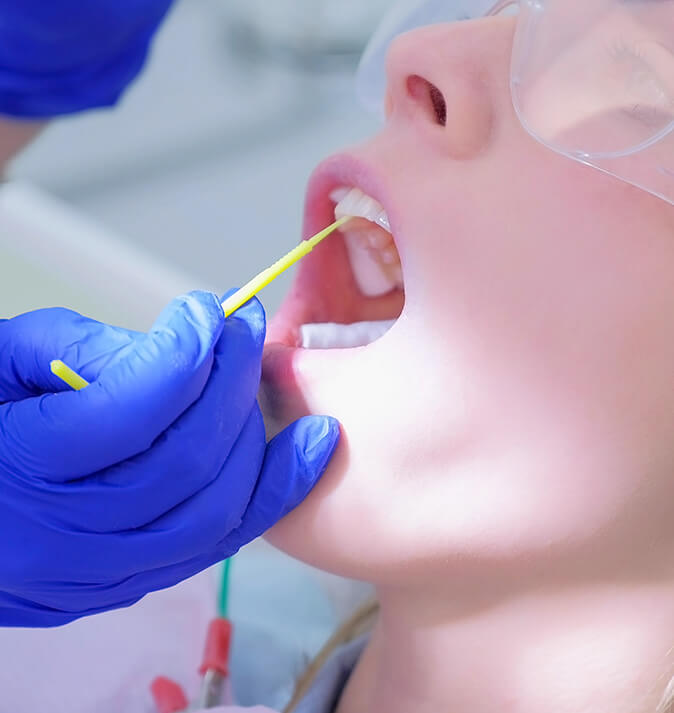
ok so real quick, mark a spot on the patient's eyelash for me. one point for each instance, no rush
(629, 51)
(623, 49)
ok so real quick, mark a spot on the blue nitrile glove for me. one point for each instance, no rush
(152, 473)
(63, 56)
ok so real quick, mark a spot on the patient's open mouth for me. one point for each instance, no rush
(376, 272)
(341, 313)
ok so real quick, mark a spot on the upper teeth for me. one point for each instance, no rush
(357, 204)
(374, 258)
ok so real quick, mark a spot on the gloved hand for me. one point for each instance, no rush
(152, 473)
(63, 56)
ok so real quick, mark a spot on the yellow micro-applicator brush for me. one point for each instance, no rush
(232, 303)
(250, 289)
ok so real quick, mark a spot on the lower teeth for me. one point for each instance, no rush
(330, 335)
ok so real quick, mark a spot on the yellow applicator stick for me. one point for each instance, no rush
(250, 289)
(232, 303)
(65, 373)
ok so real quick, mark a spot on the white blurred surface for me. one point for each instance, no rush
(74, 262)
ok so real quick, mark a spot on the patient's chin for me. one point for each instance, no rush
(290, 535)
(314, 531)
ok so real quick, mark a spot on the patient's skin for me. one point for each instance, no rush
(14, 135)
(506, 476)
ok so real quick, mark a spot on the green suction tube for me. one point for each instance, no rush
(223, 599)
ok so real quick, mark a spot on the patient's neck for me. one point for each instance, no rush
(586, 649)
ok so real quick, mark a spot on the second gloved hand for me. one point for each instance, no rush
(155, 471)
(64, 56)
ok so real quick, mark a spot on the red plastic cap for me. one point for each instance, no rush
(216, 652)
(168, 696)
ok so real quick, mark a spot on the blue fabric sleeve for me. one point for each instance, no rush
(64, 56)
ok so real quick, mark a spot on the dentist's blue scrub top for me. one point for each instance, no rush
(64, 56)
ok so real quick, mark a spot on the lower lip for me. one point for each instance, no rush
(277, 364)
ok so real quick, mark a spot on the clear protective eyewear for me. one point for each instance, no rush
(591, 79)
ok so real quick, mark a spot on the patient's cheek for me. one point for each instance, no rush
(521, 407)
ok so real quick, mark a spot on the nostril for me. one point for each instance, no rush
(439, 105)
(429, 97)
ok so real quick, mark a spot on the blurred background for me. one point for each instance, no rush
(197, 180)
(201, 170)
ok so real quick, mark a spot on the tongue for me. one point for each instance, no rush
(330, 335)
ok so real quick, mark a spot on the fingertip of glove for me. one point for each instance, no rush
(195, 314)
(205, 309)
(322, 436)
(253, 315)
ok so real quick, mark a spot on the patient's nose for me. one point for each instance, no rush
(451, 81)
